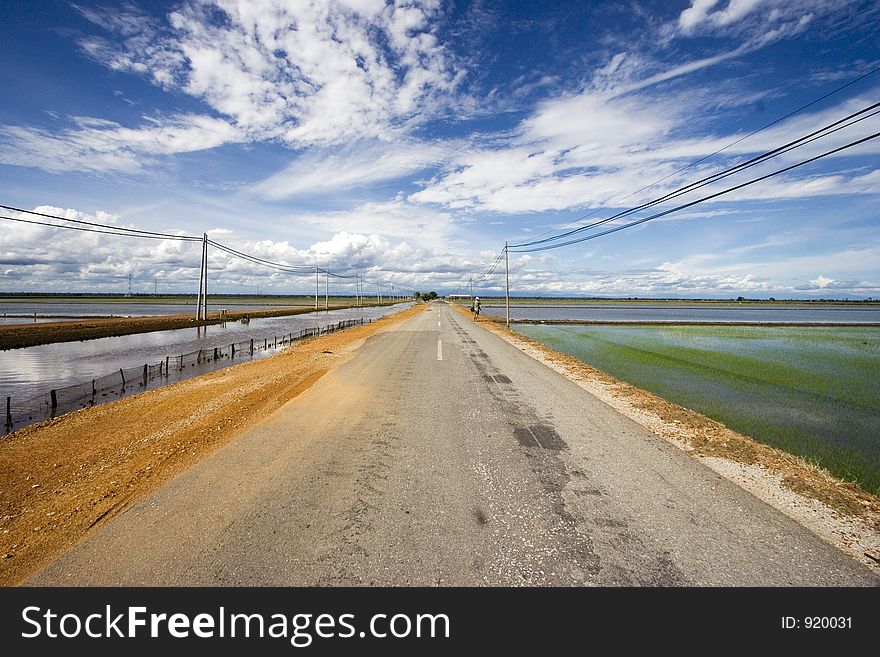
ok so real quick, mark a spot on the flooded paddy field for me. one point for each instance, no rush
(689, 312)
(17, 310)
(812, 391)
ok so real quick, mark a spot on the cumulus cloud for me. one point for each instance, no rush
(40, 257)
(762, 20)
(685, 279)
(375, 240)
(703, 12)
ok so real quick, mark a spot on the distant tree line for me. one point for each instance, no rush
(426, 296)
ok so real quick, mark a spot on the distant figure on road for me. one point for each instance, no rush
(476, 308)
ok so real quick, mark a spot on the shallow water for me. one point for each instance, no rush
(19, 312)
(813, 391)
(693, 312)
(35, 370)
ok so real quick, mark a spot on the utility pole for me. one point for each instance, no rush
(205, 296)
(201, 283)
(507, 281)
(199, 298)
(326, 289)
(316, 288)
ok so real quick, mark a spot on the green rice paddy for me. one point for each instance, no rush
(811, 391)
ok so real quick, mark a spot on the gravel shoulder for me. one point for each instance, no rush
(837, 511)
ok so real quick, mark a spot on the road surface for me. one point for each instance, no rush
(441, 455)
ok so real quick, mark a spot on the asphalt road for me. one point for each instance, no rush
(441, 455)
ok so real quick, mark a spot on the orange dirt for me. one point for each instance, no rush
(63, 477)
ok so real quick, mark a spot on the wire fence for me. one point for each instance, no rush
(124, 382)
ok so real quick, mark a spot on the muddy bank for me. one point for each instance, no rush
(16, 336)
(63, 477)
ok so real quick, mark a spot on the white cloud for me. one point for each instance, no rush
(396, 220)
(763, 20)
(808, 187)
(695, 14)
(700, 13)
(319, 72)
(375, 240)
(36, 257)
(333, 169)
(306, 73)
(784, 270)
(592, 148)
(100, 145)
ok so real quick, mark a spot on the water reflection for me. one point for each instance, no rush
(34, 370)
(17, 312)
(671, 312)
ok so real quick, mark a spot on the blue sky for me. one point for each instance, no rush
(407, 141)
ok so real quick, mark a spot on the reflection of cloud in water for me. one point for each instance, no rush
(29, 320)
(670, 312)
(35, 370)
(86, 309)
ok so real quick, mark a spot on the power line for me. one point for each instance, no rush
(303, 269)
(700, 200)
(132, 232)
(488, 274)
(293, 269)
(118, 231)
(829, 129)
(95, 230)
(720, 150)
